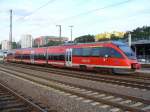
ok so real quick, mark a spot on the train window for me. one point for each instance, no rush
(35, 57)
(32, 56)
(19, 57)
(86, 51)
(114, 53)
(77, 52)
(103, 51)
(62, 57)
(49, 57)
(59, 57)
(55, 57)
(26, 56)
(95, 51)
(110, 52)
(81, 52)
(39, 57)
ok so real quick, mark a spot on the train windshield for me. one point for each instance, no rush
(128, 51)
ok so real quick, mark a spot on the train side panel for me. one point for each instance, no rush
(39, 56)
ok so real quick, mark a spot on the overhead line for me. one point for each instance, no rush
(90, 11)
(36, 10)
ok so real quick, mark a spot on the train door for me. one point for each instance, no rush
(68, 57)
(32, 57)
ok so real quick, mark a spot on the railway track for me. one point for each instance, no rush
(11, 101)
(134, 75)
(127, 82)
(103, 99)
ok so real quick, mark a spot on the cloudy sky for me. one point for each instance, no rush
(40, 17)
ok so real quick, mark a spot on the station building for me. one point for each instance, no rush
(142, 50)
(5, 45)
(26, 41)
(43, 40)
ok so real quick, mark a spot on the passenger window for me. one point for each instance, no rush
(95, 51)
(39, 56)
(56, 57)
(77, 52)
(86, 52)
(111, 52)
(115, 53)
(103, 51)
(62, 57)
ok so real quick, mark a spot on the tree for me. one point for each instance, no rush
(0, 46)
(109, 36)
(14, 45)
(139, 33)
(114, 37)
(53, 43)
(85, 39)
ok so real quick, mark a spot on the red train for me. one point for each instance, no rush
(116, 57)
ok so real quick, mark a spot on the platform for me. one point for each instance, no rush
(144, 71)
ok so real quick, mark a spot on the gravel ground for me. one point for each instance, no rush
(54, 99)
(145, 94)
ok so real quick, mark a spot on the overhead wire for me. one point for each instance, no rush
(94, 10)
(36, 10)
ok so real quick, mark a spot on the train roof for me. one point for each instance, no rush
(117, 43)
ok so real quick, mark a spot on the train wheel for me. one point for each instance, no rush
(83, 67)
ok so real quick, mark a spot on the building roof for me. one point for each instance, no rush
(141, 42)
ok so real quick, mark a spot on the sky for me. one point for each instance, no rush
(40, 17)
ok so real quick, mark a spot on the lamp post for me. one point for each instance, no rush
(129, 39)
(71, 31)
(59, 31)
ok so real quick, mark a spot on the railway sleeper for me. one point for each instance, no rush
(16, 109)
(13, 105)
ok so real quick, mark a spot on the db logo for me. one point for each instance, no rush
(85, 61)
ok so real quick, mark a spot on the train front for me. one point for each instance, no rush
(130, 58)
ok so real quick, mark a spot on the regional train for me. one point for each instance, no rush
(115, 57)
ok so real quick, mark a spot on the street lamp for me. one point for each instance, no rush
(71, 31)
(59, 31)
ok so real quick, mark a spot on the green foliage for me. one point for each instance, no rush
(112, 37)
(104, 39)
(85, 39)
(109, 36)
(139, 33)
(50, 43)
(0, 46)
(53, 43)
(14, 45)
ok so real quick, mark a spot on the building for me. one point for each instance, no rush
(142, 50)
(5, 45)
(26, 41)
(43, 40)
